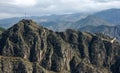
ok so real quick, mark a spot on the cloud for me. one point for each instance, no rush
(4, 15)
(106, 0)
(43, 7)
(71, 6)
(24, 2)
(18, 3)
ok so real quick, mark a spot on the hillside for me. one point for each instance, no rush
(90, 20)
(110, 15)
(113, 31)
(27, 47)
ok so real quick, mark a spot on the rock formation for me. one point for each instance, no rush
(29, 48)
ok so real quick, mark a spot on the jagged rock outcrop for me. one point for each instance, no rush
(66, 52)
(14, 65)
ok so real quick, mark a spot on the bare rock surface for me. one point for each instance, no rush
(29, 48)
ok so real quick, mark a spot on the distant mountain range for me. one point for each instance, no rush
(113, 31)
(106, 21)
(47, 21)
(61, 22)
(111, 15)
(90, 20)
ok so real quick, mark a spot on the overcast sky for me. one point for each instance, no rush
(12, 8)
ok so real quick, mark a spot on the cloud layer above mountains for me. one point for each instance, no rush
(11, 8)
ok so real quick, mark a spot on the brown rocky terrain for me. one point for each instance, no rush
(29, 48)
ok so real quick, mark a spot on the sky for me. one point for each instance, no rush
(17, 8)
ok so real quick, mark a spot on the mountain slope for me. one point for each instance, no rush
(90, 20)
(110, 15)
(45, 51)
(113, 31)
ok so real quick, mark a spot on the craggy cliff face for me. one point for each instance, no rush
(29, 48)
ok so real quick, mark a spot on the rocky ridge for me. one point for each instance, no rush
(29, 48)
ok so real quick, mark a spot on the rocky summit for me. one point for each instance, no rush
(29, 48)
